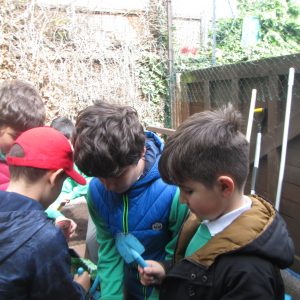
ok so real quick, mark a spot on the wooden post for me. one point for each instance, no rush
(272, 120)
(206, 94)
(235, 93)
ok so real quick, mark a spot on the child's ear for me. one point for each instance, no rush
(226, 185)
(55, 176)
(144, 152)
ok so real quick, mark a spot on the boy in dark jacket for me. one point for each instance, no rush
(127, 196)
(34, 258)
(232, 246)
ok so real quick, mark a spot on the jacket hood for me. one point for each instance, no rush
(260, 231)
(16, 215)
(154, 146)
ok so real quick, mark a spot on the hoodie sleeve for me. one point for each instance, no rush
(50, 270)
(110, 263)
(177, 216)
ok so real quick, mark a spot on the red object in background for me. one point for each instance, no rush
(189, 50)
(184, 50)
(193, 51)
(4, 175)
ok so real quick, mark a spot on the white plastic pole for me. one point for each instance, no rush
(256, 163)
(251, 114)
(285, 136)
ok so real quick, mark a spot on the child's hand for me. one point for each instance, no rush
(84, 280)
(68, 226)
(63, 203)
(154, 274)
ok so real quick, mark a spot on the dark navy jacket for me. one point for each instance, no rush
(34, 257)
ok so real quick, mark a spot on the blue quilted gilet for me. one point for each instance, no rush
(148, 204)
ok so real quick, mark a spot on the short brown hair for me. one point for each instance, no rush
(21, 107)
(107, 138)
(204, 146)
(64, 125)
(28, 173)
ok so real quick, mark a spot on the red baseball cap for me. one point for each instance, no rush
(46, 148)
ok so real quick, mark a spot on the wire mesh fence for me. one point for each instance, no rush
(212, 87)
(238, 46)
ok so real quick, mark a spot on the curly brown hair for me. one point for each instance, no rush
(107, 138)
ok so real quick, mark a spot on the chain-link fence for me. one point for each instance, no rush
(235, 47)
(213, 87)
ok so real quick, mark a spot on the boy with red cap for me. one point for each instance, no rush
(34, 257)
(22, 108)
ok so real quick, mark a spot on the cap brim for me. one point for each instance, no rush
(76, 176)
